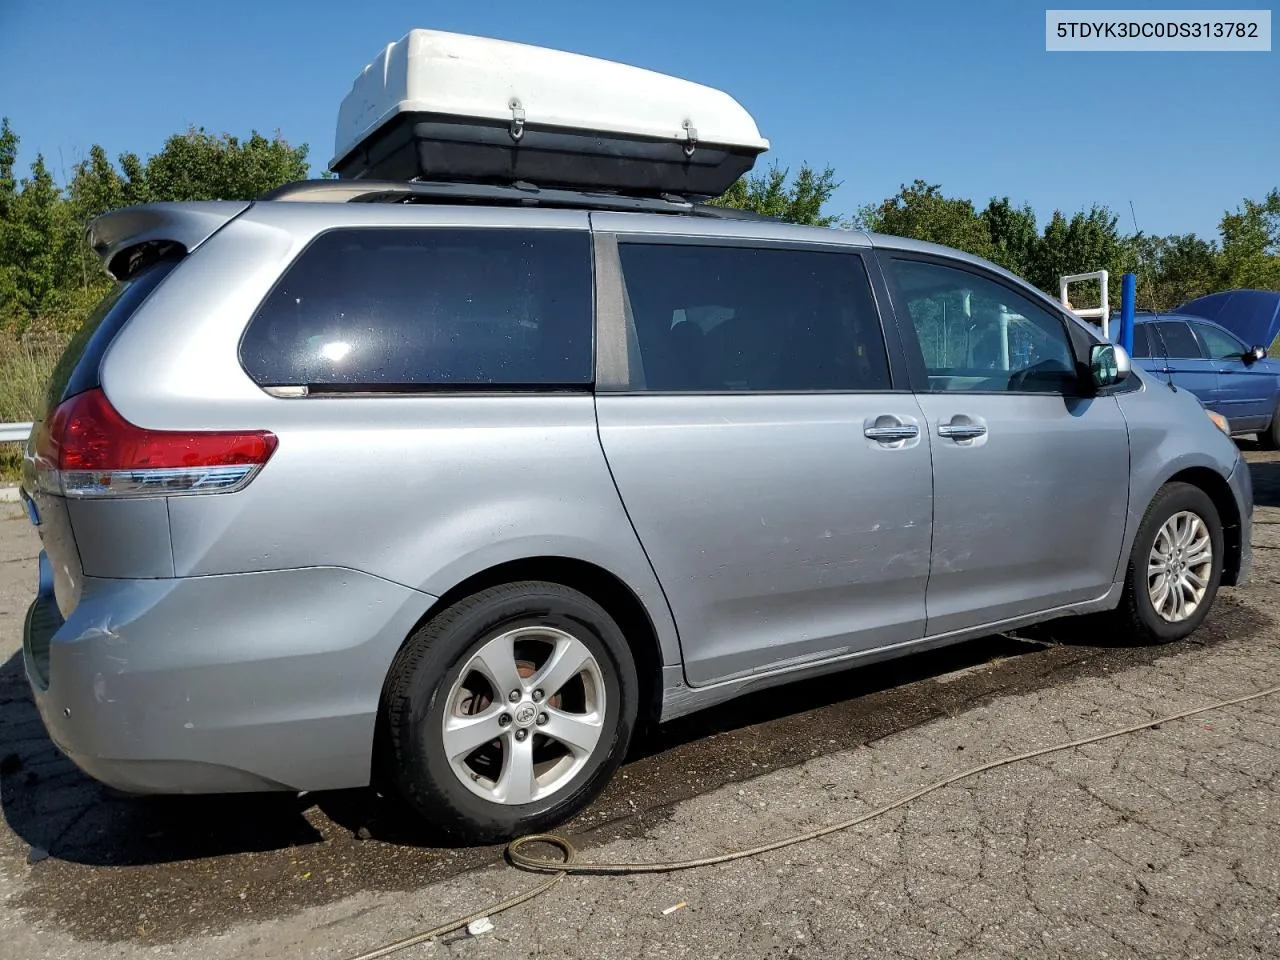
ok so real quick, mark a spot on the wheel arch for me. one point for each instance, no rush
(1219, 491)
(606, 588)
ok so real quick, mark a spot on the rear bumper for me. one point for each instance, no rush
(259, 681)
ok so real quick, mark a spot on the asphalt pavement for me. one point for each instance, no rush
(1165, 843)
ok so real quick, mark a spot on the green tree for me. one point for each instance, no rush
(1013, 235)
(1174, 269)
(136, 189)
(8, 160)
(1007, 234)
(96, 186)
(1088, 241)
(1251, 245)
(200, 166)
(36, 244)
(48, 276)
(922, 212)
(9, 268)
(796, 201)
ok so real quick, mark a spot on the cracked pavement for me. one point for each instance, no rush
(1164, 843)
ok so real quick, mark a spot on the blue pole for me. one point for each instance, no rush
(1128, 301)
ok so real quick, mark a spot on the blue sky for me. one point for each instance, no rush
(955, 93)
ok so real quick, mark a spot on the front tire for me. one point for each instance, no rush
(1174, 569)
(510, 710)
(1269, 439)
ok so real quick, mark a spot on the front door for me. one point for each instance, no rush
(1247, 389)
(776, 475)
(1030, 477)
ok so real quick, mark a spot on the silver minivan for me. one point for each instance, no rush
(455, 489)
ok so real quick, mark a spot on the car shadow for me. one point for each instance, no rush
(61, 813)
(1266, 482)
(758, 731)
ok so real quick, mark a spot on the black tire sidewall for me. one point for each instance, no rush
(1270, 438)
(1172, 499)
(424, 772)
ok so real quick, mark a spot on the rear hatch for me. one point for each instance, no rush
(77, 372)
(140, 247)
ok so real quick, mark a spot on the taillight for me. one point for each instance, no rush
(86, 449)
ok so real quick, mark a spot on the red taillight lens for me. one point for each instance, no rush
(96, 452)
(91, 435)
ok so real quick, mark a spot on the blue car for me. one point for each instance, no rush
(1229, 376)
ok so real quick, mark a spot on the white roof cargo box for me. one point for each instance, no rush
(449, 107)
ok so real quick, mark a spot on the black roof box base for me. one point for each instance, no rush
(443, 148)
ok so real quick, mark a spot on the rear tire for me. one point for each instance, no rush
(1269, 439)
(1174, 569)
(452, 686)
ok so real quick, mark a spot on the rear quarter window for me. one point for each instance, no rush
(413, 309)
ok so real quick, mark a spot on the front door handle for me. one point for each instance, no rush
(961, 431)
(892, 434)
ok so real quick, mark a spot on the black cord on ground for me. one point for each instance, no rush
(559, 869)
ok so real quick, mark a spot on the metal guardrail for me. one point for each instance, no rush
(14, 432)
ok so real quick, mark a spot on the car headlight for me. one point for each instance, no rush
(1220, 422)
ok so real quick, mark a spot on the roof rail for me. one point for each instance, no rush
(517, 194)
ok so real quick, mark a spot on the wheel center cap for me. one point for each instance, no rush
(525, 714)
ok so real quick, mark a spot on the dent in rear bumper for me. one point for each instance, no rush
(225, 683)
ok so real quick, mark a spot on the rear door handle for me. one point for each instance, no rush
(893, 434)
(961, 431)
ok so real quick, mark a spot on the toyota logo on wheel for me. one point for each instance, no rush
(525, 715)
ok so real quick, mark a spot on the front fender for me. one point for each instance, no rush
(1169, 434)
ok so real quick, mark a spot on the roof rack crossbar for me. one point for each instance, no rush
(521, 194)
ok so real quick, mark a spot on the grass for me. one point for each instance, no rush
(10, 462)
(26, 363)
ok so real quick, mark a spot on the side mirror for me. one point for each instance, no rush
(1255, 354)
(1109, 364)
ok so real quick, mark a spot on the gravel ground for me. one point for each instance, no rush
(1165, 843)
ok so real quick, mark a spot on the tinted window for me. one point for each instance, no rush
(403, 308)
(78, 368)
(976, 334)
(720, 319)
(1179, 341)
(1142, 346)
(1219, 344)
